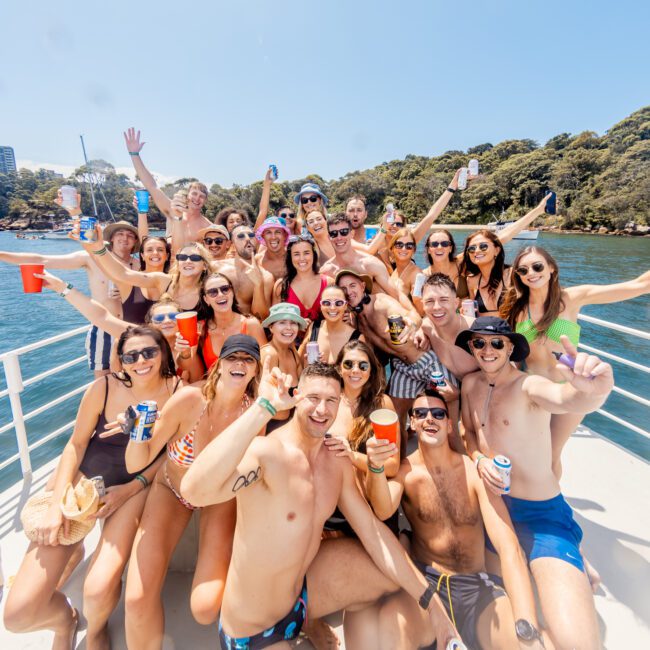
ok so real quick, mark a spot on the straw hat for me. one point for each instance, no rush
(112, 228)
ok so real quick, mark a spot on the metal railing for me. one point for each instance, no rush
(16, 385)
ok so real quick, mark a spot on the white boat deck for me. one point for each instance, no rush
(608, 488)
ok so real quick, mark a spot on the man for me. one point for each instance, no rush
(184, 209)
(346, 257)
(355, 211)
(253, 284)
(122, 240)
(447, 506)
(216, 239)
(274, 235)
(506, 411)
(287, 484)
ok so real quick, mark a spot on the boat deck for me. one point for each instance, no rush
(608, 488)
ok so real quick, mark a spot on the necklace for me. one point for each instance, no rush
(486, 405)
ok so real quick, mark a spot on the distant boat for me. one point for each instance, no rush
(58, 233)
(524, 234)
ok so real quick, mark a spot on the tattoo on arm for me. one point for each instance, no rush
(244, 481)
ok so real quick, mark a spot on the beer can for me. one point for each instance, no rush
(468, 308)
(473, 167)
(99, 485)
(420, 279)
(87, 228)
(274, 172)
(145, 417)
(503, 466)
(437, 378)
(396, 326)
(313, 353)
(462, 178)
(456, 644)
(390, 211)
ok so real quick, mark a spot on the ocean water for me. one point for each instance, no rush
(583, 259)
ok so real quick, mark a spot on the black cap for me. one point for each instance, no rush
(240, 343)
(499, 327)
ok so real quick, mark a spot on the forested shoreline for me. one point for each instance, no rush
(602, 183)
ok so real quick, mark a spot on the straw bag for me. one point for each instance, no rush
(77, 504)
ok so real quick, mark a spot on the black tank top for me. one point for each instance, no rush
(136, 306)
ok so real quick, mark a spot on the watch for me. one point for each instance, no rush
(426, 597)
(451, 189)
(66, 291)
(527, 631)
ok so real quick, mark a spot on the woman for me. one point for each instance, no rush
(231, 218)
(442, 258)
(330, 331)
(317, 227)
(310, 199)
(34, 602)
(192, 265)
(194, 417)
(402, 247)
(302, 285)
(221, 319)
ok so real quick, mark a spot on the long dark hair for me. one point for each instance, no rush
(167, 365)
(518, 295)
(468, 267)
(206, 312)
(168, 250)
(291, 269)
(452, 252)
(372, 393)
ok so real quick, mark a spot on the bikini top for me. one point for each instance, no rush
(480, 303)
(315, 329)
(312, 312)
(136, 306)
(207, 351)
(559, 327)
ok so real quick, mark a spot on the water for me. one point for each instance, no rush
(583, 259)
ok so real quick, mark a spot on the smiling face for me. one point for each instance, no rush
(143, 368)
(316, 223)
(317, 410)
(333, 304)
(441, 252)
(430, 431)
(167, 326)
(189, 267)
(534, 271)
(354, 289)
(238, 369)
(355, 369)
(440, 304)
(403, 248)
(284, 331)
(245, 242)
(396, 225)
(195, 200)
(302, 256)
(356, 213)
(123, 242)
(216, 243)
(340, 235)
(154, 254)
(234, 219)
(481, 250)
(308, 204)
(489, 358)
(214, 289)
(275, 239)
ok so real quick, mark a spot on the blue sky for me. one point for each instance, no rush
(221, 89)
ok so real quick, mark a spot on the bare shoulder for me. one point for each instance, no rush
(471, 381)
(268, 351)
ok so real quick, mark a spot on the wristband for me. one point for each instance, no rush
(451, 189)
(143, 480)
(265, 404)
(66, 290)
(479, 459)
(383, 230)
(426, 597)
(101, 251)
(134, 153)
(376, 470)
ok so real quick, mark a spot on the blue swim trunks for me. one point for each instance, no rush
(285, 630)
(545, 529)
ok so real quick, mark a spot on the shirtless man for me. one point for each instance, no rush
(447, 506)
(253, 285)
(346, 257)
(506, 411)
(274, 235)
(123, 242)
(216, 239)
(355, 211)
(185, 212)
(287, 484)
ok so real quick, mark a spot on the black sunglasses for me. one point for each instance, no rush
(397, 224)
(243, 235)
(421, 412)
(213, 292)
(341, 232)
(483, 246)
(159, 318)
(435, 244)
(183, 257)
(348, 364)
(538, 267)
(287, 215)
(213, 240)
(134, 355)
(409, 245)
(496, 344)
(329, 303)
(309, 199)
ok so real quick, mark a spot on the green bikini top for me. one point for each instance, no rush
(557, 328)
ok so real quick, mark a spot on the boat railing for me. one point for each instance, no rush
(16, 384)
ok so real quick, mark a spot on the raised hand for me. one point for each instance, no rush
(132, 140)
(379, 451)
(182, 347)
(541, 206)
(589, 374)
(179, 203)
(268, 177)
(275, 385)
(73, 212)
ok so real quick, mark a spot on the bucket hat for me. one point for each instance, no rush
(498, 327)
(112, 228)
(310, 188)
(272, 222)
(285, 311)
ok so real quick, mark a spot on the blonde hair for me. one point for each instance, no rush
(175, 272)
(301, 216)
(198, 186)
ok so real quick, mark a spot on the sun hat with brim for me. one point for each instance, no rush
(217, 227)
(310, 188)
(112, 228)
(366, 279)
(35, 509)
(272, 222)
(240, 343)
(498, 327)
(285, 311)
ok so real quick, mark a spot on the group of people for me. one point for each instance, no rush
(297, 499)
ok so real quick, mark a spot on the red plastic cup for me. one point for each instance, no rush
(188, 326)
(30, 283)
(385, 424)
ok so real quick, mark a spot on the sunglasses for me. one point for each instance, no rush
(208, 241)
(341, 232)
(213, 292)
(309, 199)
(483, 246)
(134, 355)
(397, 224)
(495, 344)
(421, 412)
(183, 257)
(409, 245)
(159, 318)
(538, 267)
(435, 244)
(243, 235)
(287, 215)
(364, 366)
